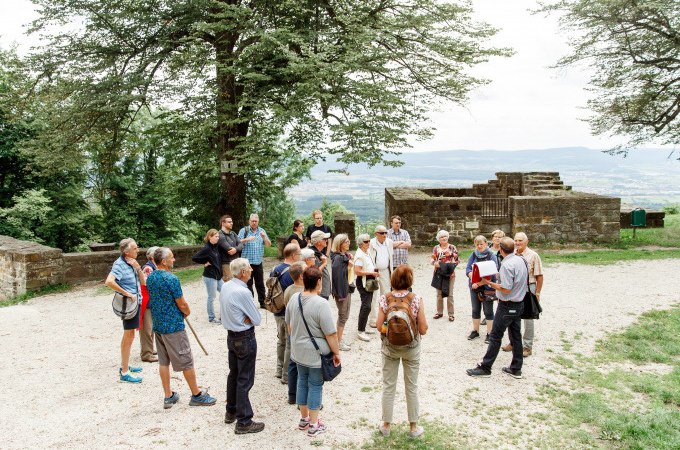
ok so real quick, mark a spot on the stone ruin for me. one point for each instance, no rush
(537, 203)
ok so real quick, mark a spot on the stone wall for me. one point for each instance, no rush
(27, 266)
(422, 214)
(567, 218)
(346, 223)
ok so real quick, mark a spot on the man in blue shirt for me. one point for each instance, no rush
(291, 255)
(168, 309)
(126, 278)
(254, 240)
(240, 316)
(510, 292)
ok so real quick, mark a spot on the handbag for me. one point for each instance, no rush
(532, 308)
(328, 368)
(124, 307)
(372, 285)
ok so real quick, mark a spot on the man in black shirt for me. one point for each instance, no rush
(229, 246)
(318, 225)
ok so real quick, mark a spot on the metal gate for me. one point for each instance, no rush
(495, 207)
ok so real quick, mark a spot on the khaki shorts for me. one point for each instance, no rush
(174, 348)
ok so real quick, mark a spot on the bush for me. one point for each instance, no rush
(672, 210)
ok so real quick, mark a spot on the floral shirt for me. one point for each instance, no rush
(415, 302)
(450, 255)
(164, 289)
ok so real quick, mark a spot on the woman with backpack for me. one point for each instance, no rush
(209, 256)
(341, 262)
(481, 296)
(403, 323)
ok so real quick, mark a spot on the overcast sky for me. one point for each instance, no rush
(528, 105)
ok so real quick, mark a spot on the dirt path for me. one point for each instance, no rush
(61, 354)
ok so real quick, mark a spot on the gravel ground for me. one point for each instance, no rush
(63, 350)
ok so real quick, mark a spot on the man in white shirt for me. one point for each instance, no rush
(381, 252)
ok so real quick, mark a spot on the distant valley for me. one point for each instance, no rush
(646, 178)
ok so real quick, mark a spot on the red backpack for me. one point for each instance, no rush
(401, 325)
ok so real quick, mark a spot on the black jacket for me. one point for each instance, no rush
(339, 275)
(441, 276)
(226, 243)
(209, 253)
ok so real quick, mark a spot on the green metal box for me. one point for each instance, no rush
(638, 218)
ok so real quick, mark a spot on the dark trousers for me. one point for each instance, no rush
(508, 316)
(257, 277)
(242, 353)
(292, 381)
(365, 310)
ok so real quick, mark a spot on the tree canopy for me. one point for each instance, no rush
(255, 91)
(634, 48)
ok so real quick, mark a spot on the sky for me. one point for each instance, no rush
(527, 105)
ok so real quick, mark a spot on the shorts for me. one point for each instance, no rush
(174, 348)
(133, 324)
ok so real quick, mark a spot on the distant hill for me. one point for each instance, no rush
(644, 178)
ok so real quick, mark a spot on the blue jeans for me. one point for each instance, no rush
(309, 387)
(213, 286)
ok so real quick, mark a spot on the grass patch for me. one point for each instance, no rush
(51, 289)
(604, 257)
(668, 236)
(625, 408)
(438, 435)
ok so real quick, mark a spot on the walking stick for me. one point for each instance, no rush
(196, 336)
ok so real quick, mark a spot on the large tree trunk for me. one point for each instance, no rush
(232, 199)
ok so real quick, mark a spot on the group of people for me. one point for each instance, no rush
(316, 266)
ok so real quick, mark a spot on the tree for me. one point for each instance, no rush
(634, 48)
(265, 86)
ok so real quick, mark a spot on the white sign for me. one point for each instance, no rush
(472, 225)
(229, 166)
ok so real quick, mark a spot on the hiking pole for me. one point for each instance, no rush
(196, 336)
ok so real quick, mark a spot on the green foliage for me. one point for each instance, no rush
(671, 210)
(438, 435)
(633, 48)
(29, 211)
(328, 209)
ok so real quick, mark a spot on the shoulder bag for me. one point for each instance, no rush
(532, 308)
(125, 307)
(328, 368)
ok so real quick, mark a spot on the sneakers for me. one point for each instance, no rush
(252, 427)
(215, 321)
(128, 378)
(169, 401)
(507, 347)
(229, 417)
(315, 430)
(363, 336)
(473, 335)
(202, 399)
(479, 372)
(526, 351)
(344, 347)
(513, 373)
(384, 431)
(415, 434)
(284, 380)
(291, 401)
(486, 339)
(134, 369)
(483, 322)
(304, 423)
(369, 330)
(373, 325)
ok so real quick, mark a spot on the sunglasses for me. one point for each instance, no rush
(367, 242)
(381, 232)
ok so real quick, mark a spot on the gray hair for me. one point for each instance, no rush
(338, 240)
(521, 236)
(238, 265)
(160, 254)
(306, 253)
(442, 233)
(380, 228)
(150, 251)
(125, 244)
(480, 238)
(361, 238)
(254, 216)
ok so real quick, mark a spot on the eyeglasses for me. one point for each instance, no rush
(381, 232)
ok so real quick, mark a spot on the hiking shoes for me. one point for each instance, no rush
(229, 417)
(252, 427)
(317, 429)
(202, 399)
(128, 378)
(473, 335)
(479, 372)
(526, 351)
(513, 373)
(169, 401)
(486, 339)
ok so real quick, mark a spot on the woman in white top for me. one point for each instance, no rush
(363, 268)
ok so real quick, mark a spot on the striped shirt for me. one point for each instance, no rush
(399, 255)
